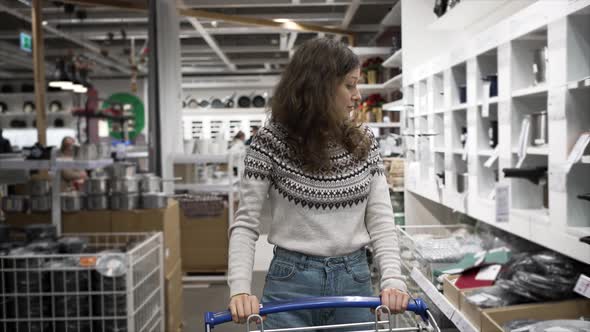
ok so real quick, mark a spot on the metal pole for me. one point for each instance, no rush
(39, 71)
(154, 130)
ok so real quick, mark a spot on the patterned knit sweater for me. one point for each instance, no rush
(329, 213)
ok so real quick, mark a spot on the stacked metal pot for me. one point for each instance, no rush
(40, 191)
(124, 185)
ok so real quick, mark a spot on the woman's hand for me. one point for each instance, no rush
(242, 306)
(395, 300)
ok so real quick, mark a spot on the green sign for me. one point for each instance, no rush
(131, 104)
(26, 42)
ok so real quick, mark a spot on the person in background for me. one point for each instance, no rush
(73, 179)
(5, 146)
(252, 134)
(324, 180)
(237, 148)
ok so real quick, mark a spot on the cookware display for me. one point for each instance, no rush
(41, 203)
(217, 103)
(244, 101)
(228, 102)
(258, 101)
(39, 187)
(150, 183)
(540, 62)
(154, 200)
(124, 201)
(493, 134)
(28, 107)
(71, 201)
(96, 186)
(97, 202)
(15, 203)
(493, 81)
(55, 106)
(121, 169)
(537, 175)
(124, 185)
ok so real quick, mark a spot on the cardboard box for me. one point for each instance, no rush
(204, 243)
(23, 219)
(452, 293)
(164, 220)
(494, 319)
(472, 312)
(87, 222)
(174, 301)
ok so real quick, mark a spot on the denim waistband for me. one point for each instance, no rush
(297, 257)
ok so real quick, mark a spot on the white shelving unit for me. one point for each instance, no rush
(383, 124)
(208, 123)
(394, 61)
(54, 165)
(556, 219)
(465, 13)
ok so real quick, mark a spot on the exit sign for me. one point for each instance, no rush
(26, 42)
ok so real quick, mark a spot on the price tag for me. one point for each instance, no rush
(583, 286)
(502, 203)
(488, 272)
(492, 159)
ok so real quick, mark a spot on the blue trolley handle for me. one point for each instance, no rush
(418, 306)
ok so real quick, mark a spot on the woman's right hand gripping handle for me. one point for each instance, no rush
(242, 306)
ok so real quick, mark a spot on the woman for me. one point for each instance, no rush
(73, 179)
(328, 196)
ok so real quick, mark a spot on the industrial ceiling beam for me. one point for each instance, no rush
(349, 15)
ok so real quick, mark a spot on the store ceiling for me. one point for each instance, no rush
(249, 49)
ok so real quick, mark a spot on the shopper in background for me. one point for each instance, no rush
(5, 146)
(237, 148)
(73, 179)
(325, 182)
(253, 133)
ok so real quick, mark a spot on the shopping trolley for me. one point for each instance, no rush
(418, 306)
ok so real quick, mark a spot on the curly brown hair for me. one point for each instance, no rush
(302, 103)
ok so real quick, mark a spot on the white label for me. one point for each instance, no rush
(488, 272)
(583, 286)
(485, 108)
(492, 159)
(502, 203)
(477, 298)
(578, 151)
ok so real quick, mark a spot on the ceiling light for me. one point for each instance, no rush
(214, 24)
(60, 77)
(44, 23)
(282, 20)
(80, 89)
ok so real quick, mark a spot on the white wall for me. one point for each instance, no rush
(420, 43)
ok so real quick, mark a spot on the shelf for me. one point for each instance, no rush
(459, 107)
(491, 101)
(439, 149)
(394, 83)
(448, 309)
(486, 152)
(60, 164)
(394, 61)
(33, 114)
(371, 51)
(464, 14)
(534, 91)
(458, 151)
(440, 111)
(579, 231)
(396, 189)
(534, 150)
(535, 215)
(207, 187)
(581, 84)
(375, 88)
(585, 160)
(200, 158)
(223, 111)
(383, 124)
(396, 106)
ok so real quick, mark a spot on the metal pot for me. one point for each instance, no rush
(71, 201)
(121, 170)
(40, 187)
(14, 203)
(125, 185)
(154, 200)
(540, 128)
(462, 182)
(150, 183)
(244, 101)
(86, 151)
(258, 101)
(41, 203)
(96, 186)
(124, 201)
(97, 202)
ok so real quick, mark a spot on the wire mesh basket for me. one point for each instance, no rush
(114, 285)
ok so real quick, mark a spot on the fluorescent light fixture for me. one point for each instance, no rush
(282, 20)
(80, 89)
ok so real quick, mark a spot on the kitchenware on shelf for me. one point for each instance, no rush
(462, 93)
(72, 201)
(192, 103)
(7, 88)
(28, 107)
(154, 200)
(585, 197)
(3, 107)
(202, 146)
(203, 103)
(41, 203)
(493, 134)
(493, 80)
(96, 186)
(217, 103)
(121, 169)
(5, 233)
(15, 203)
(540, 62)
(39, 187)
(228, 102)
(73, 245)
(37, 152)
(244, 101)
(539, 128)
(86, 151)
(55, 106)
(537, 175)
(97, 202)
(124, 185)
(150, 183)
(103, 150)
(124, 201)
(18, 123)
(258, 101)
(440, 7)
(462, 182)
(37, 232)
(463, 136)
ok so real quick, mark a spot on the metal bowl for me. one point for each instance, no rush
(154, 200)
(72, 201)
(14, 203)
(124, 201)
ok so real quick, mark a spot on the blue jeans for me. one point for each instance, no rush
(293, 275)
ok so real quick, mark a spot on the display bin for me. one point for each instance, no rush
(415, 249)
(115, 285)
